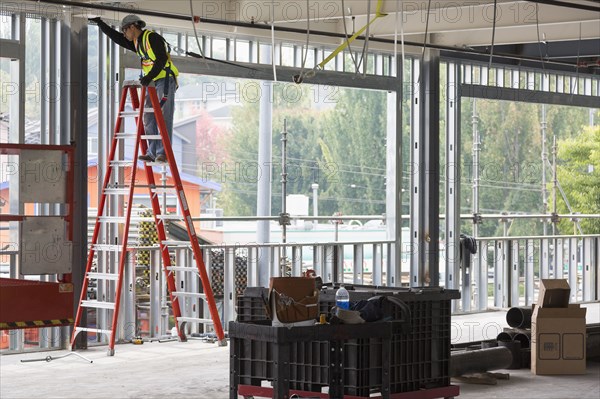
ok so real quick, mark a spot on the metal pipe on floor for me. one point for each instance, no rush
(519, 317)
(481, 360)
(592, 345)
(524, 338)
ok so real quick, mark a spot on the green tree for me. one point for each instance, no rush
(579, 175)
(293, 104)
(353, 145)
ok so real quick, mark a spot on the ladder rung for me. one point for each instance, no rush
(95, 330)
(151, 137)
(136, 112)
(194, 320)
(125, 135)
(182, 269)
(164, 190)
(112, 247)
(98, 304)
(121, 163)
(169, 217)
(190, 294)
(132, 83)
(176, 242)
(103, 276)
(117, 191)
(121, 219)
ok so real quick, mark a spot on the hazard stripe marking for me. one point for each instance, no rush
(35, 323)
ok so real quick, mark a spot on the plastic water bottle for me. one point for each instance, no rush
(342, 298)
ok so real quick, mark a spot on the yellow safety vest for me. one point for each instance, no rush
(144, 50)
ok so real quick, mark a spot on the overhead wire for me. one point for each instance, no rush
(537, 26)
(365, 44)
(273, 40)
(425, 37)
(196, 35)
(346, 35)
(396, 36)
(402, 40)
(576, 85)
(493, 39)
(307, 38)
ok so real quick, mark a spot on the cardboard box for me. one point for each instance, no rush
(558, 333)
(553, 293)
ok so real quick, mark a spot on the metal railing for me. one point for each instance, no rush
(504, 272)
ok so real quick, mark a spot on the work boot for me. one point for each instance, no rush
(161, 158)
(146, 158)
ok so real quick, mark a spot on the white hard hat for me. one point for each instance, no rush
(132, 19)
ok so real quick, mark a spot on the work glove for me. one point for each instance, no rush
(145, 81)
(95, 19)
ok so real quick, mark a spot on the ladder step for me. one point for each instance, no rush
(94, 330)
(182, 269)
(103, 276)
(190, 294)
(136, 112)
(151, 137)
(194, 320)
(176, 242)
(125, 135)
(121, 219)
(170, 217)
(117, 191)
(113, 247)
(164, 190)
(121, 163)
(98, 304)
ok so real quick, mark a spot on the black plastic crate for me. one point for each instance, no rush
(343, 357)
(418, 359)
(250, 308)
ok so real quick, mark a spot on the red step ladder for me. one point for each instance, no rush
(127, 190)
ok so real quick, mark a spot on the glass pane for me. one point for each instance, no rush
(371, 64)
(242, 51)
(330, 66)
(32, 82)
(192, 44)
(219, 49)
(171, 39)
(264, 54)
(287, 55)
(8, 87)
(9, 106)
(5, 26)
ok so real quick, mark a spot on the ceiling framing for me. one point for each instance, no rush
(564, 32)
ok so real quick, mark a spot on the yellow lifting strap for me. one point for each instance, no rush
(335, 52)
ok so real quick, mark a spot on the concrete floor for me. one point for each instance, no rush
(201, 370)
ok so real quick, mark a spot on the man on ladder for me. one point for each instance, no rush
(152, 111)
(157, 66)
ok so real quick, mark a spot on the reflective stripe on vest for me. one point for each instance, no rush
(144, 50)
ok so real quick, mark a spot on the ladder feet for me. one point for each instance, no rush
(110, 352)
(223, 342)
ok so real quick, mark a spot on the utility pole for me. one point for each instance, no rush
(476, 150)
(544, 180)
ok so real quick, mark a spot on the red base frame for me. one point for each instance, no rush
(443, 392)
(31, 304)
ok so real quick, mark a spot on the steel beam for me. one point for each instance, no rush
(589, 266)
(529, 96)
(425, 177)
(393, 211)
(452, 180)
(529, 272)
(514, 274)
